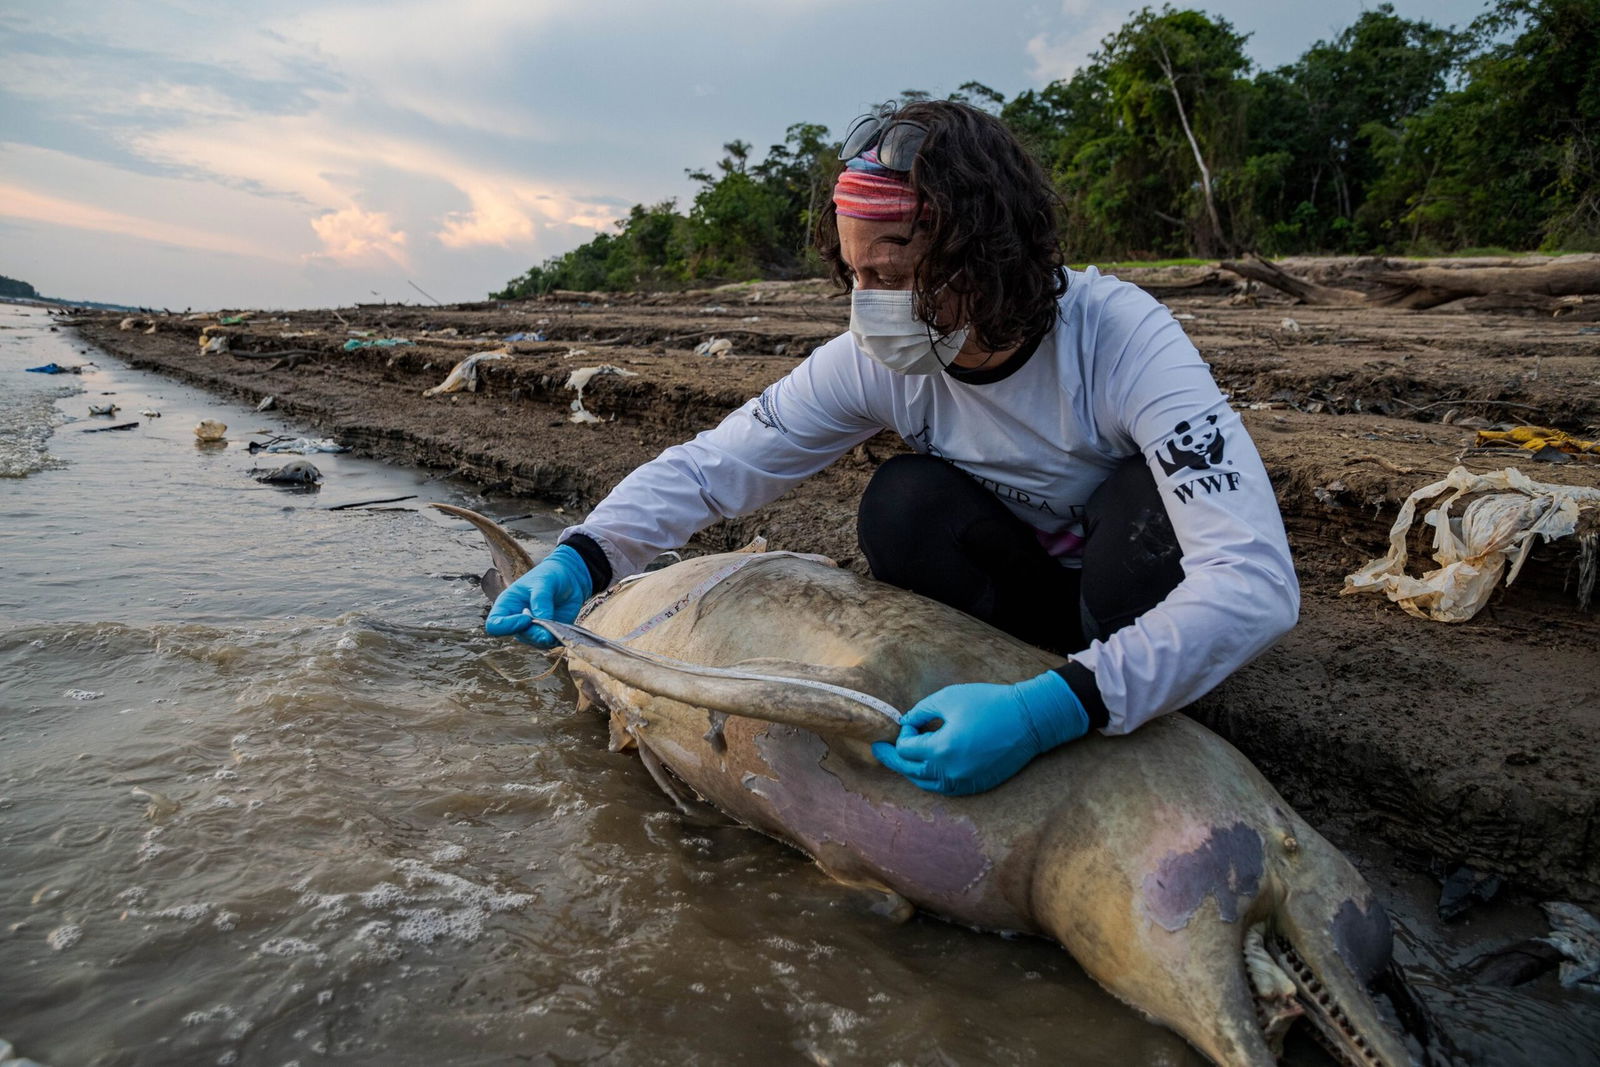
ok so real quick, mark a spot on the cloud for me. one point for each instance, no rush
(356, 236)
(1056, 54)
(21, 203)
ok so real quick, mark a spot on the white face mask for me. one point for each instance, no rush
(885, 325)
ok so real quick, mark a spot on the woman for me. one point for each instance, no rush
(1078, 479)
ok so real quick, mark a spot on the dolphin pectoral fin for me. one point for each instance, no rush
(795, 699)
(511, 560)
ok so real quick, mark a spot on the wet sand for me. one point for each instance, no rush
(1468, 743)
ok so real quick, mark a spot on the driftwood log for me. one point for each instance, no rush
(1560, 287)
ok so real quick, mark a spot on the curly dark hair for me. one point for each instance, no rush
(992, 224)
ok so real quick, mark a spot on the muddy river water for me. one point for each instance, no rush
(268, 795)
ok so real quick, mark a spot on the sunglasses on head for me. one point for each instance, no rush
(898, 140)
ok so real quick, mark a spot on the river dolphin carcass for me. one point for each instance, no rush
(1162, 861)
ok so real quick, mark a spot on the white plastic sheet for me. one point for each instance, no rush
(1473, 550)
(464, 375)
(581, 377)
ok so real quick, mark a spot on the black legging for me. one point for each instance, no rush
(927, 526)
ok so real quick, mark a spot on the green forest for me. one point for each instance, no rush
(1395, 137)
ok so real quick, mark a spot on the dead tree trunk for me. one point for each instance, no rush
(1549, 286)
(1165, 62)
(1259, 270)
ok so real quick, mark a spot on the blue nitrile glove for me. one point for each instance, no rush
(989, 733)
(555, 589)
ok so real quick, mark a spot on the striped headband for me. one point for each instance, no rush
(861, 194)
(866, 189)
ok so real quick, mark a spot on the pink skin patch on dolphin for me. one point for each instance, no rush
(1225, 866)
(942, 856)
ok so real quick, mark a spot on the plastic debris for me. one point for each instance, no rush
(717, 347)
(464, 375)
(150, 413)
(210, 430)
(232, 320)
(214, 346)
(54, 368)
(536, 335)
(1536, 439)
(580, 378)
(1576, 934)
(299, 446)
(1463, 888)
(267, 403)
(1289, 326)
(377, 342)
(300, 472)
(1473, 550)
(103, 409)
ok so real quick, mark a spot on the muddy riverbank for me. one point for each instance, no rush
(1470, 743)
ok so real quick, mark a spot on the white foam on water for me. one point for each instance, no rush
(448, 854)
(215, 1014)
(225, 920)
(64, 937)
(186, 912)
(82, 694)
(287, 946)
(131, 895)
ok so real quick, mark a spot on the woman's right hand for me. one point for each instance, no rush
(555, 589)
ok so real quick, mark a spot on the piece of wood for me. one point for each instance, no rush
(1259, 270)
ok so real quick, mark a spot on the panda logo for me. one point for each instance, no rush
(1193, 446)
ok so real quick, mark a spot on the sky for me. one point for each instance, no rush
(307, 153)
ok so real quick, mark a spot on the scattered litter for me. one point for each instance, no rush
(300, 473)
(378, 342)
(1184, 316)
(571, 352)
(54, 368)
(717, 347)
(103, 409)
(210, 430)
(536, 335)
(152, 328)
(1576, 934)
(1537, 439)
(232, 320)
(1589, 329)
(300, 446)
(580, 378)
(1463, 888)
(1289, 326)
(118, 426)
(150, 413)
(714, 310)
(214, 346)
(1473, 550)
(751, 318)
(464, 375)
(358, 333)
(267, 403)
(131, 323)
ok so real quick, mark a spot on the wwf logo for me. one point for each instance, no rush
(1192, 446)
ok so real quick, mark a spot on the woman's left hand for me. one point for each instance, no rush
(970, 738)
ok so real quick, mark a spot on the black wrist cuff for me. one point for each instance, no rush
(1081, 679)
(594, 558)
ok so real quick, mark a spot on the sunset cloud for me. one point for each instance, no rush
(354, 236)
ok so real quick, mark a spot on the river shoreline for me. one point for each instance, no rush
(1462, 744)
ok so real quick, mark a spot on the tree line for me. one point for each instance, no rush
(1396, 136)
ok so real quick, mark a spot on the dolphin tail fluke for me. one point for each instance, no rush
(511, 560)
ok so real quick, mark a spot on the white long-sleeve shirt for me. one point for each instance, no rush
(1115, 377)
